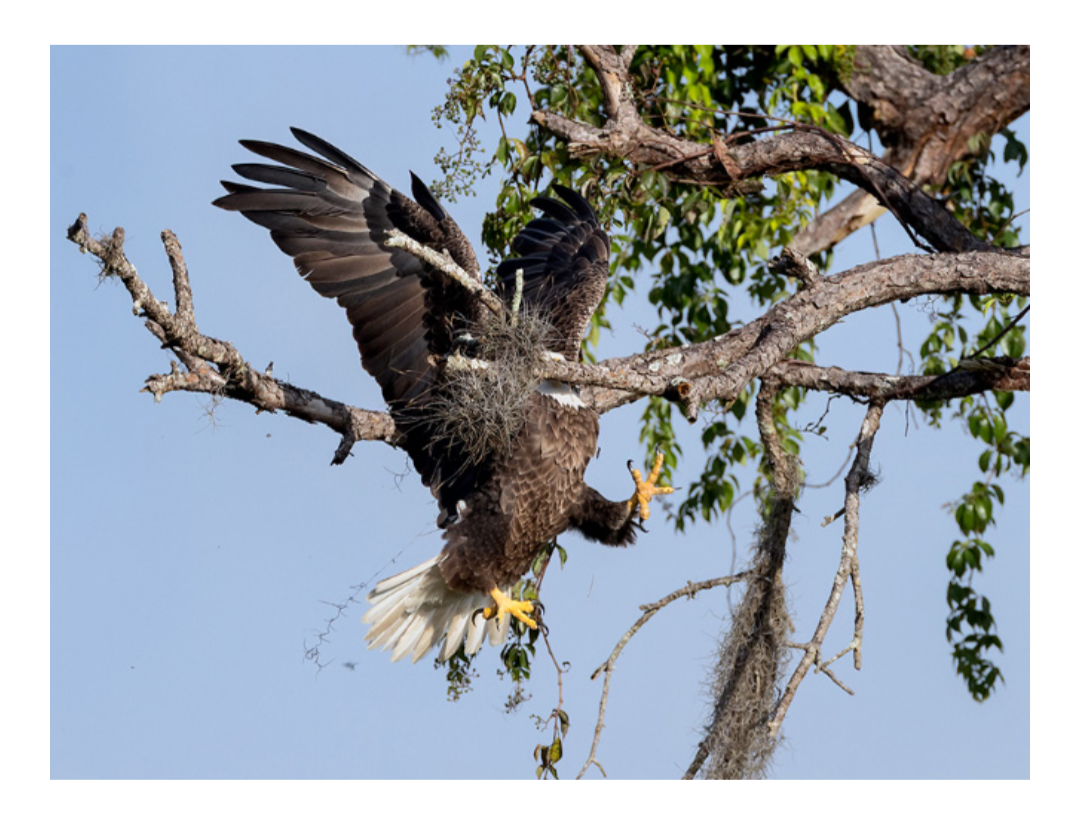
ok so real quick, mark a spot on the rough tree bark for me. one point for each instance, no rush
(925, 122)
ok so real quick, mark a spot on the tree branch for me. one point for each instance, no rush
(216, 367)
(693, 374)
(925, 121)
(856, 480)
(446, 265)
(722, 367)
(626, 135)
(972, 377)
(753, 655)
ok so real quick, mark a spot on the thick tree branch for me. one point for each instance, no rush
(625, 134)
(715, 370)
(721, 368)
(925, 121)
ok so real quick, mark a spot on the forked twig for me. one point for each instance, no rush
(847, 568)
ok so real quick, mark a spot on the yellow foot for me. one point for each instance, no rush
(505, 605)
(646, 488)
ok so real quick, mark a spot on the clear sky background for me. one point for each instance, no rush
(194, 559)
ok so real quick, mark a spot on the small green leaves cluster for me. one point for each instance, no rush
(981, 201)
(970, 627)
(481, 81)
(811, 75)
(459, 674)
(548, 755)
(1006, 449)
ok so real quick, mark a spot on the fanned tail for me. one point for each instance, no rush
(413, 611)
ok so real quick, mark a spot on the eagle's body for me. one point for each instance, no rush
(333, 216)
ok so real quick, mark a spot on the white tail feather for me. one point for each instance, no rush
(413, 611)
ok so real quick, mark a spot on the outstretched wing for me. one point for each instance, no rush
(564, 258)
(333, 217)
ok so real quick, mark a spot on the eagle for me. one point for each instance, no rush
(410, 319)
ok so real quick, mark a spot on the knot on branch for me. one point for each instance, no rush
(795, 265)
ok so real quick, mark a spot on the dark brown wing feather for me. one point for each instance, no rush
(564, 257)
(332, 216)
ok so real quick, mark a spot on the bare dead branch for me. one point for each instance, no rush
(854, 483)
(860, 612)
(216, 367)
(446, 265)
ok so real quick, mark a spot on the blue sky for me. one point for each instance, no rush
(193, 559)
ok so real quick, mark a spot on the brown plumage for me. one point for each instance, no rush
(333, 216)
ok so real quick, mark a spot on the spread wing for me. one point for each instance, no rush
(564, 257)
(332, 216)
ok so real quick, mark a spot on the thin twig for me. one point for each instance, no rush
(1002, 333)
(608, 667)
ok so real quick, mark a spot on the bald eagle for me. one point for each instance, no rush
(498, 511)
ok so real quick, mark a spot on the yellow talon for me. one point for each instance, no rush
(505, 605)
(647, 488)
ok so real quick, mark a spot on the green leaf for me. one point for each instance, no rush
(555, 752)
(564, 722)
